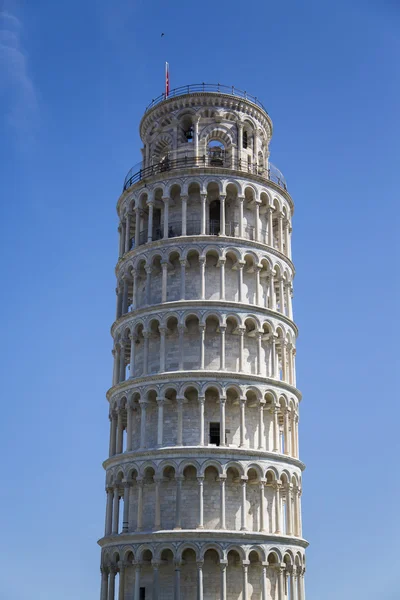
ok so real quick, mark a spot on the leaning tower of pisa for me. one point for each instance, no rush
(203, 478)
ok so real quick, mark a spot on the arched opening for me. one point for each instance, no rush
(166, 573)
(168, 498)
(233, 499)
(188, 573)
(214, 217)
(216, 153)
(234, 576)
(211, 575)
(190, 498)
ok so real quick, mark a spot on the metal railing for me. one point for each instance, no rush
(137, 173)
(211, 88)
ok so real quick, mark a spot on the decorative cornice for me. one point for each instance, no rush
(188, 452)
(209, 376)
(207, 304)
(202, 535)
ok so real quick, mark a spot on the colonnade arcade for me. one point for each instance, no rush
(204, 340)
(208, 273)
(253, 418)
(228, 573)
(230, 496)
(231, 208)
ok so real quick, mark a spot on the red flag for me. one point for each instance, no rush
(166, 80)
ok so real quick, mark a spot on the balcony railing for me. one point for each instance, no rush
(210, 88)
(137, 173)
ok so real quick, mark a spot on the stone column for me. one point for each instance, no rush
(178, 502)
(277, 486)
(257, 270)
(261, 435)
(262, 505)
(281, 295)
(259, 352)
(113, 434)
(280, 232)
(119, 301)
(244, 506)
(150, 204)
(203, 213)
(183, 278)
(148, 284)
(221, 264)
(290, 243)
(222, 331)
(125, 521)
(139, 519)
(137, 227)
(264, 595)
(179, 435)
(202, 329)
(125, 296)
(200, 581)
(290, 363)
(222, 402)
(120, 432)
(273, 357)
(302, 593)
(122, 363)
(157, 511)
(286, 236)
(128, 232)
(115, 526)
(201, 406)
(222, 214)
(240, 139)
(241, 225)
(245, 565)
(223, 565)
(289, 514)
(156, 580)
(160, 420)
(286, 432)
(242, 442)
(293, 583)
(196, 137)
(162, 331)
(200, 481)
(272, 296)
(281, 588)
(275, 411)
(104, 583)
(240, 279)
(241, 349)
(284, 359)
(135, 300)
(270, 210)
(137, 582)
(115, 353)
(166, 205)
(121, 247)
(164, 266)
(202, 261)
(111, 585)
(133, 339)
(257, 221)
(143, 406)
(181, 330)
(109, 511)
(146, 335)
(177, 586)
(222, 519)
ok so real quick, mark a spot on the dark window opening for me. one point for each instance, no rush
(214, 217)
(142, 594)
(245, 141)
(215, 433)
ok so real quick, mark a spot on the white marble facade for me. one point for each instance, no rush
(203, 478)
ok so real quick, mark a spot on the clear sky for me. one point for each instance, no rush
(75, 77)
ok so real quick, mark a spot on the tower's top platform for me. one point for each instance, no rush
(213, 88)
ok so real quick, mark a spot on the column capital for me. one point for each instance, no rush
(150, 201)
(245, 563)
(160, 400)
(222, 399)
(183, 262)
(241, 198)
(200, 479)
(143, 402)
(184, 197)
(200, 564)
(223, 564)
(244, 479)
(202, 399)
(165, 199)
(222, 197)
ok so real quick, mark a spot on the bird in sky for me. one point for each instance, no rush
(162, 35)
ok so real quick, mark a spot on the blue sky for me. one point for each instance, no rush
(74, 80)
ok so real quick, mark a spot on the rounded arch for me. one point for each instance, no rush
(211, 546)
(233, 464)
(210, 463)
(187, 546)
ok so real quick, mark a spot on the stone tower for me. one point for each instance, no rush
(203, 478)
